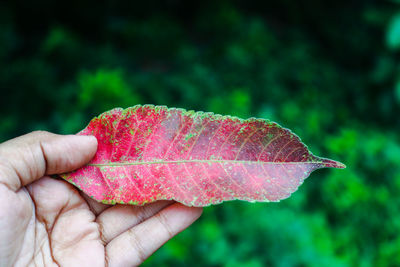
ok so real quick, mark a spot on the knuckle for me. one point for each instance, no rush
(164, 222)
(40, 134)
(135, 243)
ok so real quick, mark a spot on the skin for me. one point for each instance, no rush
(48, 222)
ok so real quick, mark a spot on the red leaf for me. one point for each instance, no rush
(148, 153)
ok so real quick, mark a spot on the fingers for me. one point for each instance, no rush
(138, 243)
(29, 157)
(120, 218)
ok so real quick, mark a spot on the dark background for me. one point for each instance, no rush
(328, 71)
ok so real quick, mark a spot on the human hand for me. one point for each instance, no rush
(45, 221)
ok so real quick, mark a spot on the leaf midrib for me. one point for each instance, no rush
(116, 164)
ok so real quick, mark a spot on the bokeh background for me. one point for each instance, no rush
(330, 71)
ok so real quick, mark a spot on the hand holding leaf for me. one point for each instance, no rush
(46, 222)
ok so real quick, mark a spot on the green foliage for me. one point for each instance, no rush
(393, 33)
(329, 71)
(104, 90)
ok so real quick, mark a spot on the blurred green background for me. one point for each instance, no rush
(328, 71)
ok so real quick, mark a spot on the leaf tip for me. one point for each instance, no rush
(341, 165)
(333, 164)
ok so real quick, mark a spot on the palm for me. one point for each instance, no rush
(62, 228)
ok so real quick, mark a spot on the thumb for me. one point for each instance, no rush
(29, 157)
